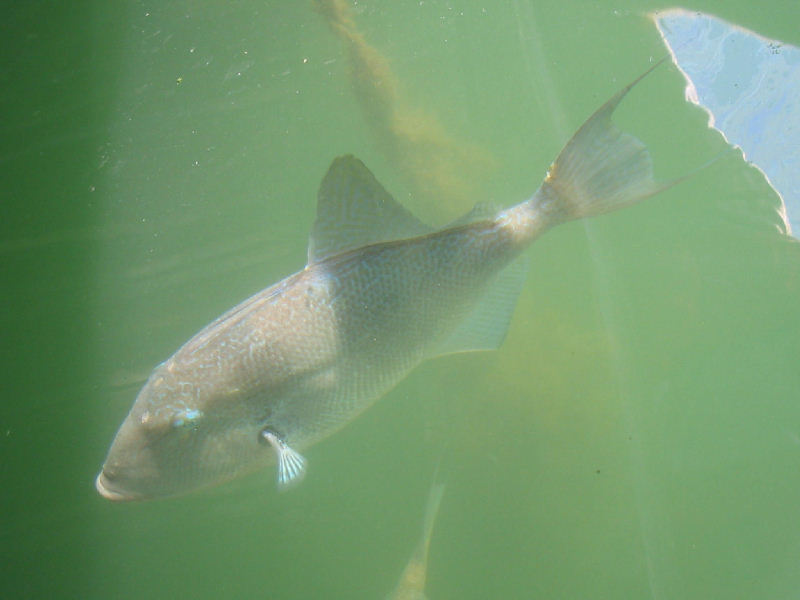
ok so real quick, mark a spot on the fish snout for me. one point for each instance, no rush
(108, 489)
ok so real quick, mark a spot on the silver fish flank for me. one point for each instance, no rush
(381, 293)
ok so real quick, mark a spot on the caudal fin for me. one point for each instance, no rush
(599, 170)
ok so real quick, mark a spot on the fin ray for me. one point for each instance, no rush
(291, 464)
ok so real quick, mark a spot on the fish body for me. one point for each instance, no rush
(381, 293)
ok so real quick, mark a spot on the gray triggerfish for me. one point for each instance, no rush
(381, 293)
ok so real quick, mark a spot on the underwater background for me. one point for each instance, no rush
(637, 435)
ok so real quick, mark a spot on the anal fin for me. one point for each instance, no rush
(486, 326)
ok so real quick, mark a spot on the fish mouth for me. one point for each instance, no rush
(107, 490)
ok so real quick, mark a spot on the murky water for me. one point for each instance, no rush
(638, 434)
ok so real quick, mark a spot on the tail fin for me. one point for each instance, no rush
(599, 170)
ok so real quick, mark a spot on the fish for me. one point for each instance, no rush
(411, 585)
(381, 292)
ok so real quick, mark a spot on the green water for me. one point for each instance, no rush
(637, 436)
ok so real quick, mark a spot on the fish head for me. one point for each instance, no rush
(179, 438)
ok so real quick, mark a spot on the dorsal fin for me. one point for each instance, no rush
(354, 210)
(480, 212)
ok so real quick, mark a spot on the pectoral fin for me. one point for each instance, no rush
(291, 464)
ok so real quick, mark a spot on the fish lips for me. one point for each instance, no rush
(106, 487)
